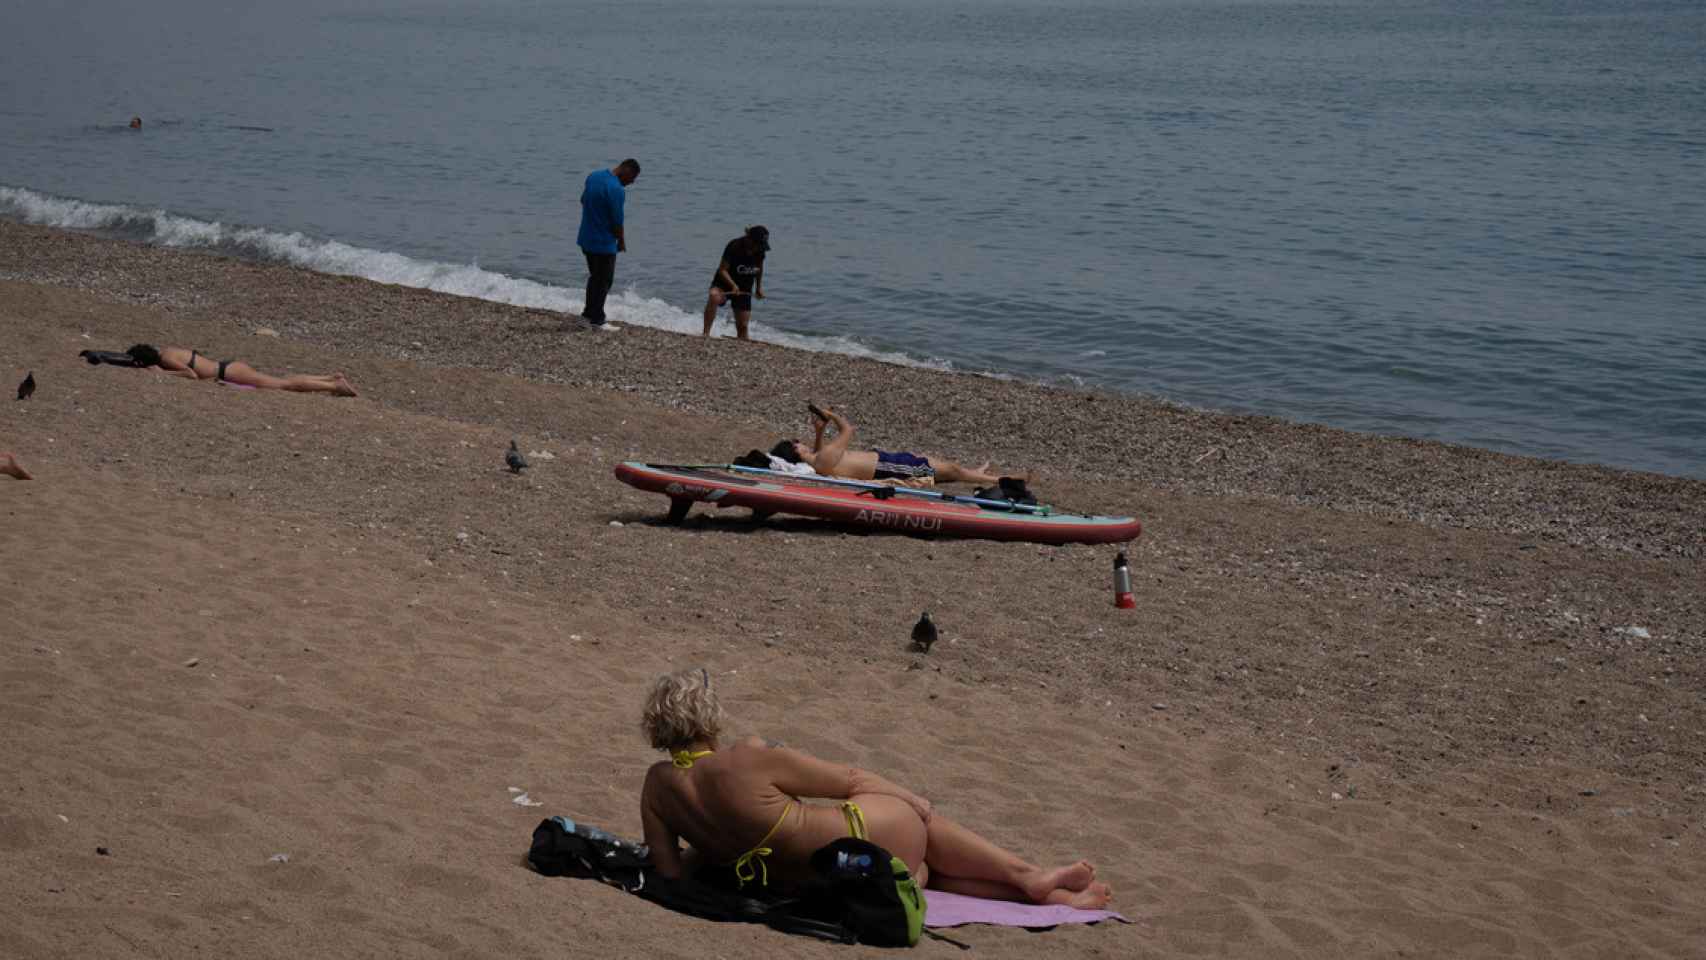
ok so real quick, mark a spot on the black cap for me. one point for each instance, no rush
(761, 234)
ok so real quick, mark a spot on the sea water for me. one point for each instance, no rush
(1478, 222)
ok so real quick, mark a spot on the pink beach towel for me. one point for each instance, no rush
(953, 910)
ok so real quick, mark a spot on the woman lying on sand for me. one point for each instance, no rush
(197, 366)
(741, 807)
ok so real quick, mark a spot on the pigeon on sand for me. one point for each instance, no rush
(514, 460)
(923, 633)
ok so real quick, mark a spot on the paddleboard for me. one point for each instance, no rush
(871, 505)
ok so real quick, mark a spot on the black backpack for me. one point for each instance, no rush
(1011, 489)
(563, 848)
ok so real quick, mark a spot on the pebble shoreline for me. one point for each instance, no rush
(1053, 431)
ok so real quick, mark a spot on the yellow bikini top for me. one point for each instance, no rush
(683, 759)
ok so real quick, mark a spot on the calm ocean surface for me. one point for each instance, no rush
(1480, 222)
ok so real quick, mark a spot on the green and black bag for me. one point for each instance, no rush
(859, 893)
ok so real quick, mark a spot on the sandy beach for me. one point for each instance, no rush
(277, 667)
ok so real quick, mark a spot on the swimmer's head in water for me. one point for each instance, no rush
(135, 123)
(144, 355)
(682, 710)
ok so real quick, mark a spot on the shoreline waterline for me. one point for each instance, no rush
(631, 307)
(1063, 434)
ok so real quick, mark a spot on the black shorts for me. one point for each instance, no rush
(902, 466)
(741, 302)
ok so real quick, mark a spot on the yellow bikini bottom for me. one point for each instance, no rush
(745, 872)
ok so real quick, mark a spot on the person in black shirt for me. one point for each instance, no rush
(739, 278)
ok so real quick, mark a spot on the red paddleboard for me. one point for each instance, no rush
(872, 505)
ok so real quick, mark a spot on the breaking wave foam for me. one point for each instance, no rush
(334, 257)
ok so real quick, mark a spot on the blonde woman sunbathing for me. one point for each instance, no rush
(742, 806)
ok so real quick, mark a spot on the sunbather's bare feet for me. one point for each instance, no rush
(1093, 897)
(1088, 874)
(344, 389)
(1072, 878)
(10, 467)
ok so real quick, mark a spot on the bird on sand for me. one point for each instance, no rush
(923, 633)
(514, 460)
(28, 386)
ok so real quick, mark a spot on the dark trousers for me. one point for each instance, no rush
(600, 277)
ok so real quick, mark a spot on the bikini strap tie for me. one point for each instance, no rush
(744, 871)
(683, 759)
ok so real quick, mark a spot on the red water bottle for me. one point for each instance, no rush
(1122, 583)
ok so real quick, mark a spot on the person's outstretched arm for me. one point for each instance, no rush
(803, 775)
(664, 844)
(829, 455)
(864, 781)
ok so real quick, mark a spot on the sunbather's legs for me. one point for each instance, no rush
(239, 372)
(10, 467)
(959, 861)
(948, 471)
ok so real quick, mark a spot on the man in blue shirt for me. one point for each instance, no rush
(600, 236)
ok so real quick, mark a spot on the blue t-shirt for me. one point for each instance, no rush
(601, 212)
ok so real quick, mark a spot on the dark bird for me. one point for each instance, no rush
(514, 460)
(923, 633)
(28, 386)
